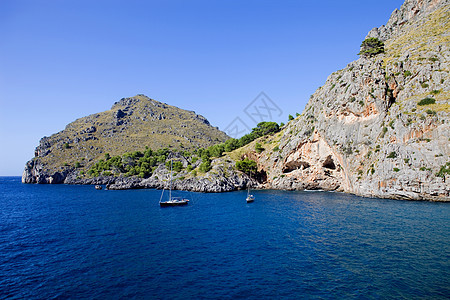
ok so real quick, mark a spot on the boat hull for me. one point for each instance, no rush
(173, 203)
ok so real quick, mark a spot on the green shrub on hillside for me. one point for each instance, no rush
(259, 148)
(391, 124)
(371, 47)
(426, 101)
(177, 166)
(384, 132)
(205, 166)
(393, 154)
(247, 166)
(430, 112)
(445, 170)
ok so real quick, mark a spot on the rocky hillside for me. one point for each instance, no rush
(379, 127)
(130, 125)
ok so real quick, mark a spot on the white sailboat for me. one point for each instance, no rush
(250, 197)
(173, 201)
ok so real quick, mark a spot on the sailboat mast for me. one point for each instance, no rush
(170, 191)
(248, 187)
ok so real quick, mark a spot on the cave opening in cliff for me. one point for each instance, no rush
(294, 165)
(261, 176)
(329, 163)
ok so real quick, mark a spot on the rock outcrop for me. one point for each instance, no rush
(365, 131)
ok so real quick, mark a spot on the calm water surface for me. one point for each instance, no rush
(60, 241)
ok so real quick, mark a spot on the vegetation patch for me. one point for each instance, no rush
(246, 166)
(177, 166)
(205, 166)
(391, 124)
(262, 129)
(393, 154)
(431, 112)
(384, 132)
(259, 148)
(131, 163)
(371, 170)
(371, 47)
(426, 101)
(444, 170)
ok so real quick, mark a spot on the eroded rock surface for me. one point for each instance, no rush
(363, 131)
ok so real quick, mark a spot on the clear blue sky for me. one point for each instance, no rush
(62, 60)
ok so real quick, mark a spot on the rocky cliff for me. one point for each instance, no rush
(130, 125)
(223, 177)
(368, 129)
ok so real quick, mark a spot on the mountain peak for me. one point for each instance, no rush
(410, 12)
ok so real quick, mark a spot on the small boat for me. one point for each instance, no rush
(98, 187)
(250, 197)
(173, 201)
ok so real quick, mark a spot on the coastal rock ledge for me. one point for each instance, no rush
(222, 178)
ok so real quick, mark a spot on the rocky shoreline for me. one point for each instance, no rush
(214, 183)
(222, 178)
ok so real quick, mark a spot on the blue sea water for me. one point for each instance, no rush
(62, 241)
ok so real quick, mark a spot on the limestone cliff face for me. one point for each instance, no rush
(363, 131)
(130, 125)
